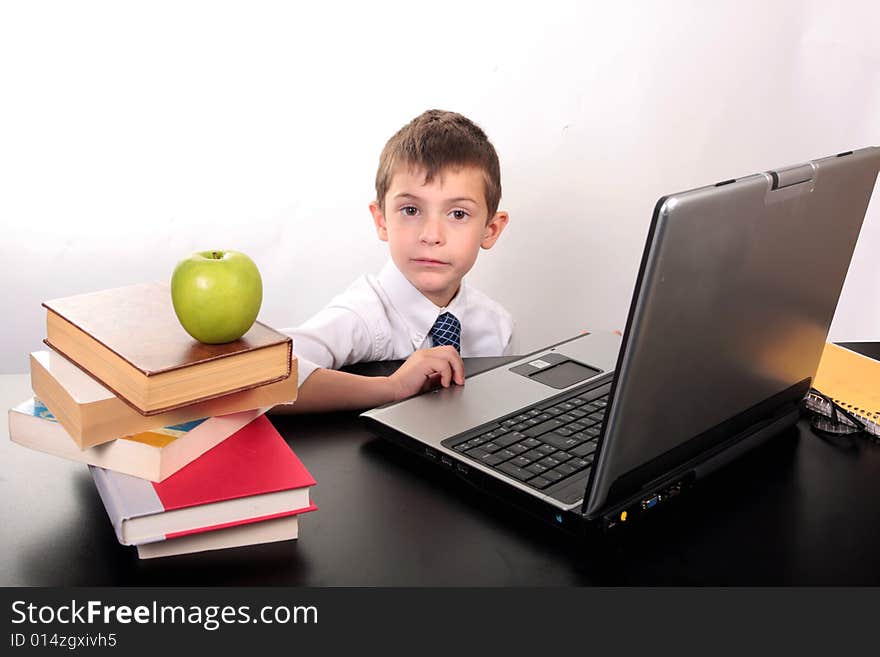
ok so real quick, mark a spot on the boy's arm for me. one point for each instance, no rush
(331, 390)
(512, 346)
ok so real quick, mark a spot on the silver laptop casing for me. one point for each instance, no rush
(445, 412)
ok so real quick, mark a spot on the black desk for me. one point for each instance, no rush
(799, 510)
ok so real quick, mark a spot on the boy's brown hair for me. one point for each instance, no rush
(435, 140)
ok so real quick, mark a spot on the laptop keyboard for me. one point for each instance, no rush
(542, 446)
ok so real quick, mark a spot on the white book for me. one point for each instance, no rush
(152, 455)
(265, 531)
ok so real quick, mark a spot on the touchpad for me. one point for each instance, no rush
(556, 371)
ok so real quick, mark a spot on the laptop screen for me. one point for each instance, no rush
(736, 292)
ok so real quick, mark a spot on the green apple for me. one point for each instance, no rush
(216, 295)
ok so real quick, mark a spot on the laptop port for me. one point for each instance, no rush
(651, 502)
(461, 468)
(445, 460)
(430, 453)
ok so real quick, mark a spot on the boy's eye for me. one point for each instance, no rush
(459, 214)
(409, 210)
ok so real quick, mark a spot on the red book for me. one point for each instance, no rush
(251, 476)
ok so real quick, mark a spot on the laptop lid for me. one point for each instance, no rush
(737, 288)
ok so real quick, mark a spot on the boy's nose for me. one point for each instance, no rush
(432, 231)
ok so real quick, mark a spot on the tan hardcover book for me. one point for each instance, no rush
(130, 339)
(92, 414)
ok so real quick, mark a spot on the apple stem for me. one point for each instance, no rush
(216, 255)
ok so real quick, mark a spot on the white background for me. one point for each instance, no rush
(132, 135)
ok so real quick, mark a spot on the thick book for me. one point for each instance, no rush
(272, 530)
(130, 339)
(251, 475)
(92, 414)
(153, 455)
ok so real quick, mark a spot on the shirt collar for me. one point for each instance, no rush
(418, 312)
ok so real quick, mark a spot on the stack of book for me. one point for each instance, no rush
(173, 430)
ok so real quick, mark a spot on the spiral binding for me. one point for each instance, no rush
(815, 403)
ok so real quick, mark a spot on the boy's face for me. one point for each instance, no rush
(435, 230)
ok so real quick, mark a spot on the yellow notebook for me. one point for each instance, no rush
(852, 381)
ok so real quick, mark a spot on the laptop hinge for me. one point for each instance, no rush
(793, 176)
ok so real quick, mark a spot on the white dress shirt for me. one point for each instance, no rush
(385, 317)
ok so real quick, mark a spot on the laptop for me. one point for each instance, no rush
(734, 297)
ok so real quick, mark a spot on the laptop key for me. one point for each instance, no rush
(537, 468)
(577, 401)
(507, 439)
(562, 456)
(549, 462)
(560, 442)
(584, 449)
(477, 453)
(533, 455)
(497, 457)
(552, 475)
(518, 448)
(545, 450)
(539, 482)
(578, 413)
(543, 427)
(531, 443)
(491, 447)
(515, 472)
(565, 469)
(521, 461)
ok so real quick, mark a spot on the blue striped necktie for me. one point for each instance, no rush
(446, 330)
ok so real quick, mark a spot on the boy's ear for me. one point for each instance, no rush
(379, 221)
(494, 229)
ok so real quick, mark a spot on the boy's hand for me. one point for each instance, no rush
(424, 369)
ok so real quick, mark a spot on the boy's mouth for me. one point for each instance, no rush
(429, 262)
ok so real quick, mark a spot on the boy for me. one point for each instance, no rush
(437, 192)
